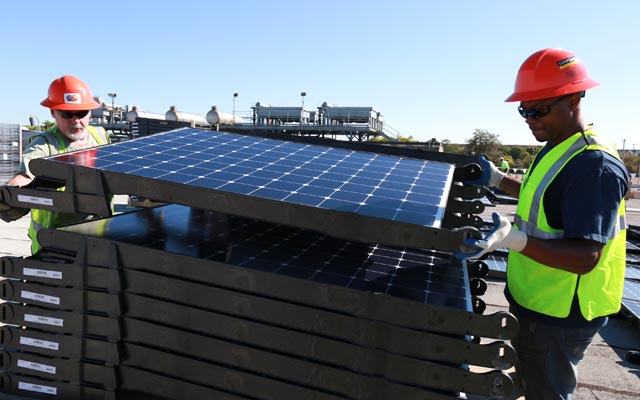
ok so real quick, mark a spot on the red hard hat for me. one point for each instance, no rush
(551, 73)
(69, 93)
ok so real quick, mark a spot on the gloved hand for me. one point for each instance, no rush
(9, 214)
(3, 205)
(503, 235)
(491, 175)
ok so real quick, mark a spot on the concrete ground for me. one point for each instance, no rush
(604, 374)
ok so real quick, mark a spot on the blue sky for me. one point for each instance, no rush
(433, 69)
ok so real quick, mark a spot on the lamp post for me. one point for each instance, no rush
(234, 106)
(113, 108)
(302, 95)
(31, 121)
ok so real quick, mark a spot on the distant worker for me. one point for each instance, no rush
(566, 264)
(504, 165)
(71, 102)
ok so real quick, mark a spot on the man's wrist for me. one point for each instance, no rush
(518, 240)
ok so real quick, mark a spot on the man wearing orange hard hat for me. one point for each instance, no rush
(567, 244)
(70, 102)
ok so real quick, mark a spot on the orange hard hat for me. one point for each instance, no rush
(550, 73)
(69, 93)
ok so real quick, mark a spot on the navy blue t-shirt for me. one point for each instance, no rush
(582, 200)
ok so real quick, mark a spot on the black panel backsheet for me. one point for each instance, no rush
(359, 196)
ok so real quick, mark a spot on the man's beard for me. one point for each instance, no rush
(73, 136)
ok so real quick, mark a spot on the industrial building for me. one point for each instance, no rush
(362, 124)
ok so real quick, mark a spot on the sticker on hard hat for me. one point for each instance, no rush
(567, 62)
(72, 98)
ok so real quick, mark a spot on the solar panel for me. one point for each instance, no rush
(366, 183)
(631, 246)
(346, 193)
(632, 307)
(289, 251)
(497, 265)
(633, 256)
(631, 290)
(632, 272)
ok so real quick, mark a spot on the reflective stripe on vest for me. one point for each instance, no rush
(41, 219)
(549, 290)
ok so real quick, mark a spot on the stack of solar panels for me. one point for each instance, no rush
(189, 303)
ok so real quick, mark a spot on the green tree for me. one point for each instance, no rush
(455, 148)
(515, 152)
(484, 142)
(631, 161)
(523, 161)
(45, 126)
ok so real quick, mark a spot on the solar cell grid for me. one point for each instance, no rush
(631, 290)
(280, 249)
(497, 263)
(376, 185)
(632, 246)
(633, 257)
(632, 272)
(632, 306)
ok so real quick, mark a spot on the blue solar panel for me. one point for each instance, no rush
(631, 290)
(633, 272)
(633, 257)
(632, 306)
(497, 265)
(376, 185)
(405, 273)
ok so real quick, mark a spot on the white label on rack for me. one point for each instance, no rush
(44, 344)
(35, 200)
(44, 273)
(39, 319)
(50, 369)
(40, 297)
(37, 388)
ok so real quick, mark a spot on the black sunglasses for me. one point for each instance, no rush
(73, 114)
(539, 112)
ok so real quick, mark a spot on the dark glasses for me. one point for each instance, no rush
(73, 114)
(539, 112)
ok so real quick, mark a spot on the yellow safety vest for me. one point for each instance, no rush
(550, 291)
(41, 219)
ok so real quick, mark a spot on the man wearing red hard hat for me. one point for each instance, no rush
(71, 102)
(567, 244)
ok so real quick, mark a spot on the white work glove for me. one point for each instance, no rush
(491, 175)
(503, 235)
